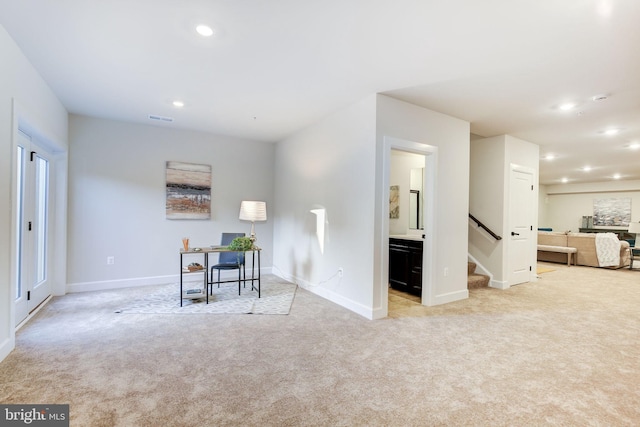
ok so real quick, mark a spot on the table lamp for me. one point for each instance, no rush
(253, 211)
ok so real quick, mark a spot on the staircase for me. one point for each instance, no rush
(475, 280)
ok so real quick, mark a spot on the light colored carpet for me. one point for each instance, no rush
(563, 351)
(276, 297)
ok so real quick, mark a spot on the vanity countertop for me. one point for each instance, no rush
(406, 236)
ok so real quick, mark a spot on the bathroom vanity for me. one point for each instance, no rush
(405, 263)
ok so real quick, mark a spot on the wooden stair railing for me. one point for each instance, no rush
(485, 228)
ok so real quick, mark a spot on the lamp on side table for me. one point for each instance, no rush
(253, 211)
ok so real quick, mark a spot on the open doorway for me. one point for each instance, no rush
(409, 226)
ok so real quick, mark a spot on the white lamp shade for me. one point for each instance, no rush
(253, 211)
(634, 227)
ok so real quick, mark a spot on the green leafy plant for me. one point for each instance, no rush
(241, 244)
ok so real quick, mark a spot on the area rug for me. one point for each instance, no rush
(276, 297)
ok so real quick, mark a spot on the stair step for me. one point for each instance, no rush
(471, 267)
(475, 281)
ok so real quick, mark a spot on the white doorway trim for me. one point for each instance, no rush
(428, 274)
(24, 121)
(516, 256)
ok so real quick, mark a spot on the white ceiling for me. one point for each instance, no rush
(276, 66)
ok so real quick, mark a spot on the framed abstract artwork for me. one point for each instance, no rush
(394, 202)
(612, 212)
(188, 191)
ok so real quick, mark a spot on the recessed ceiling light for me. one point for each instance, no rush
(610, 132)
(565, 180)
(178, 104)
(549, 157)
(568, 106)
(204, 30)
(586, 168)
(634, 145)
(616, 176)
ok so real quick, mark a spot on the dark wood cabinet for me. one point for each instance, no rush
(623, 234)
(405, 265)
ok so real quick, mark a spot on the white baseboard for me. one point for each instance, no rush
(34, 312)
(121, 283)
(379, 313)
(499, 284)
(451, 297)
(146, 281)
(330, 295)
(7, 347)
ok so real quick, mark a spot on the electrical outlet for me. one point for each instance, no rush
(340, 272)
(446, 271)
(111, 260)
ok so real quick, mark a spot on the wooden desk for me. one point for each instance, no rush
(218, 249)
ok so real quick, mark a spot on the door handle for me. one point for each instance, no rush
(513, 233)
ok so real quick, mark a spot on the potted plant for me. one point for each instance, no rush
(241, 244)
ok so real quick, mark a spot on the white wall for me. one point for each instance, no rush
(26, 97)
(491, 160)
(404, 121)
(566, 204)
(337, 164)
(117, 199)
(543, 199)
(486, 202)
(329, 165)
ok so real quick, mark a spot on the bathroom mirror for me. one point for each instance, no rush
(416, 199)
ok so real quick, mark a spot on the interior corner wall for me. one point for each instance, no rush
(117, 194)
(405, 121)
(20, 87)
(329, 166)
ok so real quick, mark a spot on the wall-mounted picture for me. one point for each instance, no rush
(614, 212)
(394, 202)
(188, 191)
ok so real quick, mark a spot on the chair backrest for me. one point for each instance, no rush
(230, 257)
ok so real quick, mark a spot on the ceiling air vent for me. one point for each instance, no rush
(160, 118)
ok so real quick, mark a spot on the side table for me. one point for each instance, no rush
(255, 276)
(634, 252)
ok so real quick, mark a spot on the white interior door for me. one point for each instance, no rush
(32, 230)
(521, 205)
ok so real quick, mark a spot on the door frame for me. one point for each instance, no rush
(58, 157)
(33, 290)
(515, 168)
(430, 153)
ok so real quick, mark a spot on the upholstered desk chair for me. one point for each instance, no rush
(230, 260)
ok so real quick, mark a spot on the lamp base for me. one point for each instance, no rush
(252, 236)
